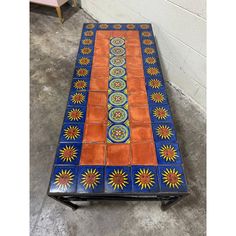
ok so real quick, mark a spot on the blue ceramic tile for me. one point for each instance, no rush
(168, 153)
(90, 26)
(68, 154)
(75, 114)
(157, 97)
(144, 26)
(118, 179)
(88, 34)
(148, 50)
(63, 179)
(164, 132)
(80, 84)
(78, 98)
(160, 113)
(151, 61)
(72, 133)
(154, 84)
(144, 179)
(86, 51)
(82, 72)
(83, 61)
(90, 179)
(172, 179)
(152, 71)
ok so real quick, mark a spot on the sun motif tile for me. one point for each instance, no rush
(84, 61)
(154, 84)
(63, 179)
(172, 179)
(157, 98)
(77, 98)
(168, 153)
(160, 113)
(68, 154)
(144, 179)
(82, 72)
(72, 133)
(118, 179)
(164, 132)
(90, 179)
(75, 114)
(86, 51)
(80, 85)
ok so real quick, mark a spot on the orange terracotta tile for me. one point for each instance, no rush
(100, 61)
(101, 51)
(103, 34)
(118, 154)
(133, 51)
(134, 85)
(92, 154)
(99, 84)
(94, 133)
(97, 98)
(131, 34)
(96, 114)
(134, 61)
(143, 154)
(135, 72)
(141, 132)
(102, 43)
(139, 114)
(133, 42)
(138, 99)
(118, 33)
(100, 72)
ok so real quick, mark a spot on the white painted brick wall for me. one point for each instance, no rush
(180, 27)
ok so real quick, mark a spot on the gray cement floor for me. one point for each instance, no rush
(53, 50)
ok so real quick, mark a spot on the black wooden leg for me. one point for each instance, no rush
(166, 204)
(66, 202)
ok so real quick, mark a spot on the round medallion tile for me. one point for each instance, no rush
(117, 72)
(118, 133)
(118, 115)
(117, 99)
(117, 84)
(117, 41)
(118, 61)
(118, 51)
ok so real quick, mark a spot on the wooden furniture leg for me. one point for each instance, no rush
(74, 3)
(59, 13)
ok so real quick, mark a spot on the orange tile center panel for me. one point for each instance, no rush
(118, 99)
(118, 134)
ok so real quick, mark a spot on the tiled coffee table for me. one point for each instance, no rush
(118, 139)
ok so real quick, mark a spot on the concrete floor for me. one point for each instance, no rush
(53, 50)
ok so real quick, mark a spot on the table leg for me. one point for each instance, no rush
(166, 204)
(74, 3)
(59, 13)
(66, 202)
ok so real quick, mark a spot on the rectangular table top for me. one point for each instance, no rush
(118, 134)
